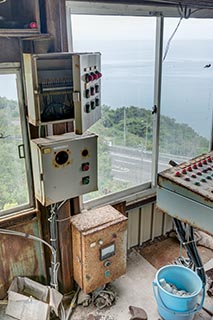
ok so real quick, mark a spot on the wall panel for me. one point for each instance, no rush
(146, 223)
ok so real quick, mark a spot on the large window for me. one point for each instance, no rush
(125, 129)
(187, 90)
(127, 44)
(14, 169)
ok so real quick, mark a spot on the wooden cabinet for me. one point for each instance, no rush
(19, 18)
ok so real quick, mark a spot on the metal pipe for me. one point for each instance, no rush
(157, 97)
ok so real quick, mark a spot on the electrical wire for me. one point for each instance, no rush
(72, 304)
(186, 237)
(54, 264)
(185, 13)
(170, 39)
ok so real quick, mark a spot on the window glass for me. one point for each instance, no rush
(125, 129)
(13, 186)
(187, 91)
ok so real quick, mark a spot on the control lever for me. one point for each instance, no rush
(173, 163)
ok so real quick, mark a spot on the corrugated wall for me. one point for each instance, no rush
(146, 223)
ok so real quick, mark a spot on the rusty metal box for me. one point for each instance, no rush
(99, 241)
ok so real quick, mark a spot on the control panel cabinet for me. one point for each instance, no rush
(99, 244)
(19, 18)
(64, 166)
(63, 87)
(186, 191)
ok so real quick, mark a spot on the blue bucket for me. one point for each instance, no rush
(171, 306)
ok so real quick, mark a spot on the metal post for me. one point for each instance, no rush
(211, 137)
(157, 97)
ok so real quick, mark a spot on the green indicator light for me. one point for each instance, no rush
(85, 180)
(107, 274)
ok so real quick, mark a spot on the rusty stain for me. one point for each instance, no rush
(107, 227)
(20, 256)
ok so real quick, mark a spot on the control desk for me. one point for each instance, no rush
(186, 192)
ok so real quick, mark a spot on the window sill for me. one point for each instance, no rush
(134, 197)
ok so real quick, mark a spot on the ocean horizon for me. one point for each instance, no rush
(187, 87)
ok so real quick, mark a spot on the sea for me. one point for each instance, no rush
(187, 78)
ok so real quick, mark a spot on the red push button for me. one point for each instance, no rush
(204, 161)
(184, 171)
(88, 78)
(194, 166)
(85, 166)
(99, 74)
(177, 174)
(190, 168)
(209, 159)
(200, 164)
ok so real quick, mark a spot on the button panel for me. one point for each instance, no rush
(87, 83)
(196, 174)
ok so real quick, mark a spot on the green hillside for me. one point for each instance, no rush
(132, 126)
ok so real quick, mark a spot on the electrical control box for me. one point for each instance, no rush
(186, 191)
(87, 90)
(63, 87)
(99, 244)
(64, 166)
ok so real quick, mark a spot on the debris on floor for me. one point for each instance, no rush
(105, 297)
(209, 274)
(100, 298)
(137, 313)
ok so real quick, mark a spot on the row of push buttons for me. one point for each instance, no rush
(200, 165)
(92, 76)
(92, 105)
(92, 91)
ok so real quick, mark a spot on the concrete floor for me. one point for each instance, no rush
(135, 287)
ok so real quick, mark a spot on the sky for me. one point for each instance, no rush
(8, 86)
(137, 28)
(127, 28)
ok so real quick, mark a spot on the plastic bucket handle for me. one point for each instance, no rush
(158, 299)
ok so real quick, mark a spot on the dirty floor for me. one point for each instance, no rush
(135, 287)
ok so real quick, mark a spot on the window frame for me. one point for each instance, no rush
(148, 189)
(15, 68)
(133, 194)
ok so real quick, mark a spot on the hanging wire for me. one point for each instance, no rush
(170, 39)
(185, 13)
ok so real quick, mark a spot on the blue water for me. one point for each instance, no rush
(187, 87)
